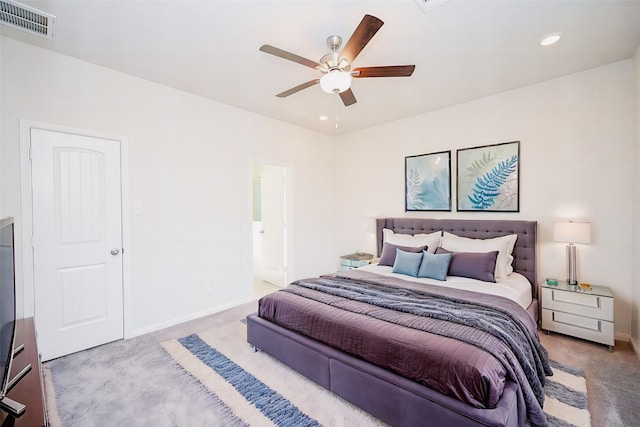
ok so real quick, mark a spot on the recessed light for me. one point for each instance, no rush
(550, 39)
(323, 118)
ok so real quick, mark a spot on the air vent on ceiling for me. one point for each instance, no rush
(428, 5)
(26, 18)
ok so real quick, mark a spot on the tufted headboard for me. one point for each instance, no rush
(524, 253)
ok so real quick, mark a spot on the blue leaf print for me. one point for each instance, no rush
(487, 187)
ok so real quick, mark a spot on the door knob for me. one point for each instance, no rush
(115, 251)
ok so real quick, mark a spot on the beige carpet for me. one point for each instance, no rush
(129, 383)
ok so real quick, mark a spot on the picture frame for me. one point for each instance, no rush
(488, 178)
(427, 182)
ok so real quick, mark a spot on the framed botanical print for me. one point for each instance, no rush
(428, 182)
(488, 178)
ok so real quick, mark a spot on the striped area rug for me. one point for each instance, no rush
(263, 392)
(565, 401)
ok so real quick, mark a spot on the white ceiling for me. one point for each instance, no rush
(462, 50)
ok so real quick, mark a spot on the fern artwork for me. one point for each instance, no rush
(488, 178)
(428, 182)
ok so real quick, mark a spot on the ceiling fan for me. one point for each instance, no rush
(336, 66)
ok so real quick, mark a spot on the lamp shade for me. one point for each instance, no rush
(335, 81)
(572, 232)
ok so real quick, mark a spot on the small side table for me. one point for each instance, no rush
(582, 314)
(358, 259)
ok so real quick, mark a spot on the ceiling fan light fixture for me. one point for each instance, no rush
(335, 67)
(335, 81)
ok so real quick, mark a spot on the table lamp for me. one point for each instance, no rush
(572, 232)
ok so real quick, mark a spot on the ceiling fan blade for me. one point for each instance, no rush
(386, 71)
(298, 88)
(290, 56)
(365, 31)
(348, 98)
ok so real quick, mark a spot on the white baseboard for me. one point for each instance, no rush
(635, 345)
(622, 337)
(191, 316)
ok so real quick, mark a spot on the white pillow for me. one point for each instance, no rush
(431, 240)
(504, 245)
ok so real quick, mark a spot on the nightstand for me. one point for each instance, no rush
(351, 261)
(582, 314)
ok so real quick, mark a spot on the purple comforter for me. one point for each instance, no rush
(419, 333)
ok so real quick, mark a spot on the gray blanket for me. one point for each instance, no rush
(517, 346)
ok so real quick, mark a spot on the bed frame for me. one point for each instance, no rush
(389, 397)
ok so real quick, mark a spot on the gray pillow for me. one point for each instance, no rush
(388, 256)
(474, 265)
(407, 262)
(434, 266)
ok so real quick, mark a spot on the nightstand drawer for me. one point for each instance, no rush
(578, 326)
(579, 303)
(575, 320)
(353, 263)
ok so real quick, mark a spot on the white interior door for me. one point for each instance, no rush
(273, 224)
(77, 241)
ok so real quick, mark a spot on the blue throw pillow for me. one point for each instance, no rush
(434, 266)
(407, 263)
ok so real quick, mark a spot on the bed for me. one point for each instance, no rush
(363, 335)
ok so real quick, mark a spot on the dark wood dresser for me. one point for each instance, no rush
(28, 390)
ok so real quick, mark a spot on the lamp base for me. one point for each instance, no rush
(571, 265)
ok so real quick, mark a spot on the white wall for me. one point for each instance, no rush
(189, 169)
(576, 136)
(635, 284)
